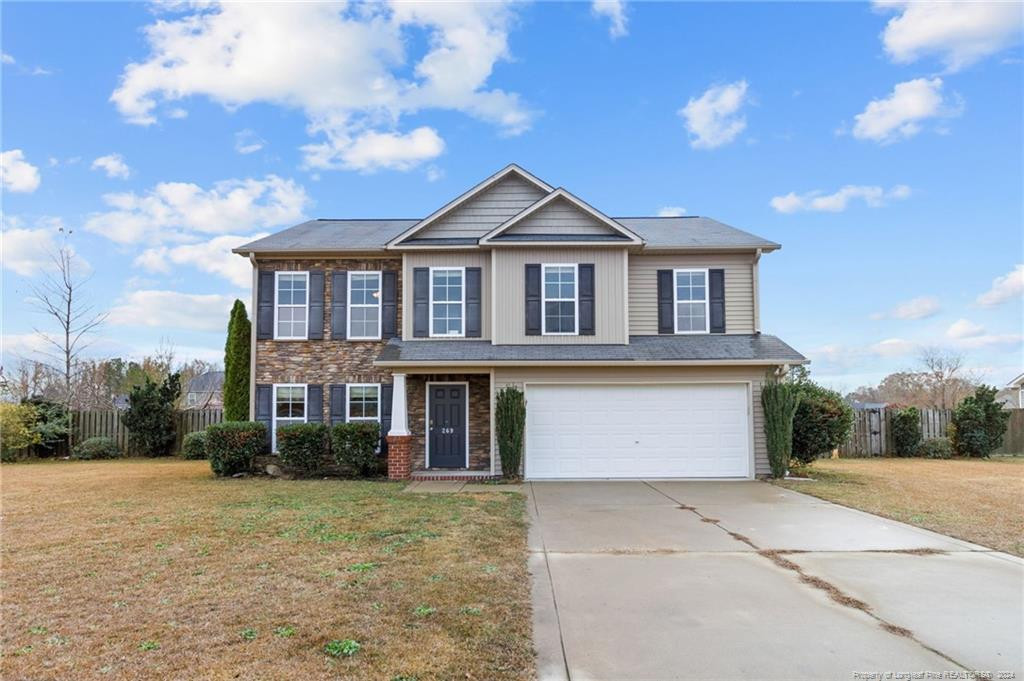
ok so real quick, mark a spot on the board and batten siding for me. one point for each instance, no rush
(559, 217)
(510, 298)
(486, 211)
(481, 259)
(755, 376)
(643, 288)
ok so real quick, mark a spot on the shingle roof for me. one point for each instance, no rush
(368, 235)
(208, 382)
(696, 348)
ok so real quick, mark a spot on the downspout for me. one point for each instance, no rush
(252, 338)
(756, 273)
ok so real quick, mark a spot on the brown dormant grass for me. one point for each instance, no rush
(154, 569)
(980, 501)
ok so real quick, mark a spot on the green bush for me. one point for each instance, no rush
(17, 429)
(303, 445)
(52, 424)
(150, 416)
(822, 422)
(936, 448)
(96, 448)
(355, 445)
(236, 365)
(232, 445)
(193, 446)
(509, 421)
(906, 431)
(780, 402)
(979, 423)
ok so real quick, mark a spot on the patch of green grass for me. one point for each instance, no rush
(470, 610)
(345, 648)
(248, 634)
(285, 631)
(149, 645)
(361, 567)
(424, 611)
(38, 630)
(24, 650)
(57, 640)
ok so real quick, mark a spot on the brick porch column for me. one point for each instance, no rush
(399, 439)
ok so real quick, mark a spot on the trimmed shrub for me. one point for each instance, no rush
(979, 423)
(906, 431)
(193, 445)
(510, 421)
(236, 365)
(17, 429)
(96, 448)
(355, 445)
(780, 402)
(232, 445)
(936, 448)
(150, 416)
(822, 422)
(303, 446)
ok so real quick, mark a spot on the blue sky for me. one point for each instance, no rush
(881, 145)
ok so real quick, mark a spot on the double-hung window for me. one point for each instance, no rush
(691, 301)
(561, 300)
(291, 305)
(289, 407)
(447, 301)
(364, 305)
(363, 402)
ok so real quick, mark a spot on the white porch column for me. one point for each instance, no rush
(399, 417)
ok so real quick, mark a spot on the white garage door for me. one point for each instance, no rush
(637, 431)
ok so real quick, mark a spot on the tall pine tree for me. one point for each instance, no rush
(236, 365)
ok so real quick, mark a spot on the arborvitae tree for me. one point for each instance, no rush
(236, 365)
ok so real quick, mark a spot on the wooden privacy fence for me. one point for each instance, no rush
(107, 423)
(872, 431)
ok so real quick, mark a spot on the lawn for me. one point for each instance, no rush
(977, 500)
(154, 569)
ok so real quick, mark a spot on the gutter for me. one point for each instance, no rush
(588, 363)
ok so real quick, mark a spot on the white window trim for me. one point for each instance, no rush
(277, 276)
(676, 301)
(544, 300)
(348, 394)
(430, 303)
(349, 305)
(273, 408)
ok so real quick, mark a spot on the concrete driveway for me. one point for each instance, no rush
(670, 580)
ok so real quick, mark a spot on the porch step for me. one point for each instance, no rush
(468, 476)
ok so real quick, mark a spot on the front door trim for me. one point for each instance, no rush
(426, 417)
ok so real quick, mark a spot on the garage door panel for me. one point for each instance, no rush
(630, 431)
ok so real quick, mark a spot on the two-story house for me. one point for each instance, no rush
(636, 340)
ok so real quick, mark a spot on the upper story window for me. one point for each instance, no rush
(291, 305)
(447, 301)
(289, 407)
(560, 300)
(364, 300)
(364, 402)
(691, 301)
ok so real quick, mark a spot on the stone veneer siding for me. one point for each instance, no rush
(324, 361)
(479, 417)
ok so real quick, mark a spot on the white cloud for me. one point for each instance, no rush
(713, 119)
(17, 174)
(178, 113)
(671, 211)
(348, 68)
(248, 142)
(894, 347)
(960, 32)
(434, 173)
(113, 165)
(169, 208)
(1007, 287)
(615, 10)
(173, 310)
(901, 114)
(26, 250)
(213, 256)
(6, 58)
(837, 202)
(915, 308)
(989, 340)
(964, 328)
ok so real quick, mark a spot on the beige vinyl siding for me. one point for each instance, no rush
(643, 288)
(510, 297)
(479, 259)
(560, 217)
(518, 376)
(486, 211)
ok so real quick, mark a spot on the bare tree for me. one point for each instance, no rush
(946, 379)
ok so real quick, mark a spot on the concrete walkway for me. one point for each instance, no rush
(671, 580)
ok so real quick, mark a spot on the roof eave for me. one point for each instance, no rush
(591, 362)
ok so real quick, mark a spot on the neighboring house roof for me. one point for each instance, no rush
(868, 405)
(1017, 382)
(695, 349)
(121, 402)
(211, 381)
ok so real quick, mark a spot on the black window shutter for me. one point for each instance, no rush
(473, 302)
(314, 403)
(265, 305)
(586, 299)
(421, 302)
(339, 304)
(386, 392)
(666, 302)
(533, 300)
(389, 304)
(716, 300)
(316, 305)
(264, 408)
(337, 403)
